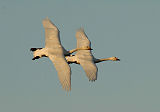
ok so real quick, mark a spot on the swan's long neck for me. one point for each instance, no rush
(103, 59)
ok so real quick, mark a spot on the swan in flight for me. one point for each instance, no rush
(85, 57)
(56, 53)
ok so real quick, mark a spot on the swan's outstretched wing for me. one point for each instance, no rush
(52, 38)
(63, 70)
(56, 53)
(82, 39)
(86, 61)
(85, 57)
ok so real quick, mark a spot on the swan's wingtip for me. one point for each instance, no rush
(46, 17)
(81, 29)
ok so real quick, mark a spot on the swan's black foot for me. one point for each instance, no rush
(37, 57)
(34, 49)
(44, 56)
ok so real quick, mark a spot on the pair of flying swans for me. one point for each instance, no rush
(61, 58)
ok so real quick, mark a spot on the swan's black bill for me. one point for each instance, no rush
(118, 60)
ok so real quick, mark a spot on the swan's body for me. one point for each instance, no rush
(85, 57)
(73, 59)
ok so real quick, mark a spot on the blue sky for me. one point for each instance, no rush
(126, 29)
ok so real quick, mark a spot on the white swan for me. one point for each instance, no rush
(85, 57)
(55, 51)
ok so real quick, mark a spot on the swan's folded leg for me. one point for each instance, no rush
(82, 48)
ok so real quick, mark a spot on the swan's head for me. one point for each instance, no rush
(114, 59)
(38, 53)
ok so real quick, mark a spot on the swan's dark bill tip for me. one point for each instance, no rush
(118, 60)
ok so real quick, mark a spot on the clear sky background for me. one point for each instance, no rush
(128, 29)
